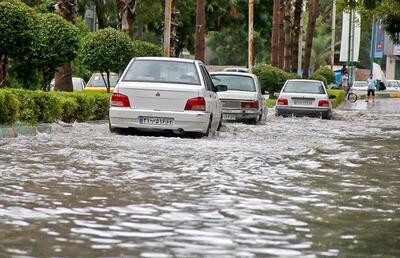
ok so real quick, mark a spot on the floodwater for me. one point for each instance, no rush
(293, 187)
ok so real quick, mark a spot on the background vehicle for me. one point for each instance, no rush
(96, 82)
(304, 98)
(166, 94)
(77, 83)
(236, 69)
(392, 85)
(360, 85)
(243, 101)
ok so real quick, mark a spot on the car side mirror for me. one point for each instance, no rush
(276, 94)
(221, 88)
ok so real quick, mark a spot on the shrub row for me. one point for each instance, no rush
(324, 74)
(339, 97)
(272, 78)
(47, 107)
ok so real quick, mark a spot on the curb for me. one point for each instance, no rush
(25, 130)
(383, 95)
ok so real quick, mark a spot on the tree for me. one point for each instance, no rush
(17, 33)
(313, 13)
(275, 34)
(320, 51)
(126, 15)
(298, 12)
(200, 30)
(288, 31)
(63, 75)
(58, 44)
(106, 51)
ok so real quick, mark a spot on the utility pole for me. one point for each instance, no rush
(167, 28)
(200, 30)
(371, 54)
(349, 51)
(251, 35)
(37, 2)
(333, 34)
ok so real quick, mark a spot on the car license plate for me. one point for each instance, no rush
(302, 102)
(146, 120)
(228, 117)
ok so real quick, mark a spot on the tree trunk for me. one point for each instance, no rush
(101, 16)
(275, 34)
(63, 75)
(313, 13)
(281, 37)
(200, 30)
(288, 32)
(126, 15)
(298, 10)
(3, 70)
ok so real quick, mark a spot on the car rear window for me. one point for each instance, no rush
(360, 84)
(162, 72)
(235, 82)
(97, 81)
(304, 87)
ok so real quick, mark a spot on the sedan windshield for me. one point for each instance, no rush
(235, 82)
(162, 71)
(304, 87)
(97, 80)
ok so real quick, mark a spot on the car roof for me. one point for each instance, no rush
(303, 80)
(234, 73)
(174, 59)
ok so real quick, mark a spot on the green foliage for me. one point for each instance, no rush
(272, 78)
(143, 48)
(37, 106)
(327, 73)
(319, 77)
(58, 44)
(9, 107)
(106, 50)
(339, 97)
(17, 28)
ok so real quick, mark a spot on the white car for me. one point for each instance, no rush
(392, 85)
(78, 84)
(360, 85)
(304, 98)
(243, 100)
(159, 93)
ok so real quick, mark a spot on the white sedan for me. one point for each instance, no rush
(243, 100)
(158, 93)
(304, 98)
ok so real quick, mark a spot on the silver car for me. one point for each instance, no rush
(243, 100)
(304, 98)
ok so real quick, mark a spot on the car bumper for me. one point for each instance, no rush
(303, 111)
(239, 114)
(191, 121)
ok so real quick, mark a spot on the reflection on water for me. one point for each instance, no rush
(294, 187)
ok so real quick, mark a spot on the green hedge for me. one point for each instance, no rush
(327, 73)
(272, 78)
(319, 77)
(47, 107)
(339, 97)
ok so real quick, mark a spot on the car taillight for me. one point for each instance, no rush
(324, 103)
(120, 100)
(282, 101)
(196, 104)
(249, 104)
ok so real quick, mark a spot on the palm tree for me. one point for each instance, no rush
(275, 34)
(313, 13)
(288, 32)
(298, 12)
(320, 51)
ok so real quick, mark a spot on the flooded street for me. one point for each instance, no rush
(293, 187)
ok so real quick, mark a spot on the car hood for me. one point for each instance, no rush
(234, 94)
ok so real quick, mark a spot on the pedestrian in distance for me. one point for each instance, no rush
(371, 89)
(344, 70)
(345, 83)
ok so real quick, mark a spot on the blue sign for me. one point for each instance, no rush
(379, 39)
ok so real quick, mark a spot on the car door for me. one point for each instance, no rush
(215, 104)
